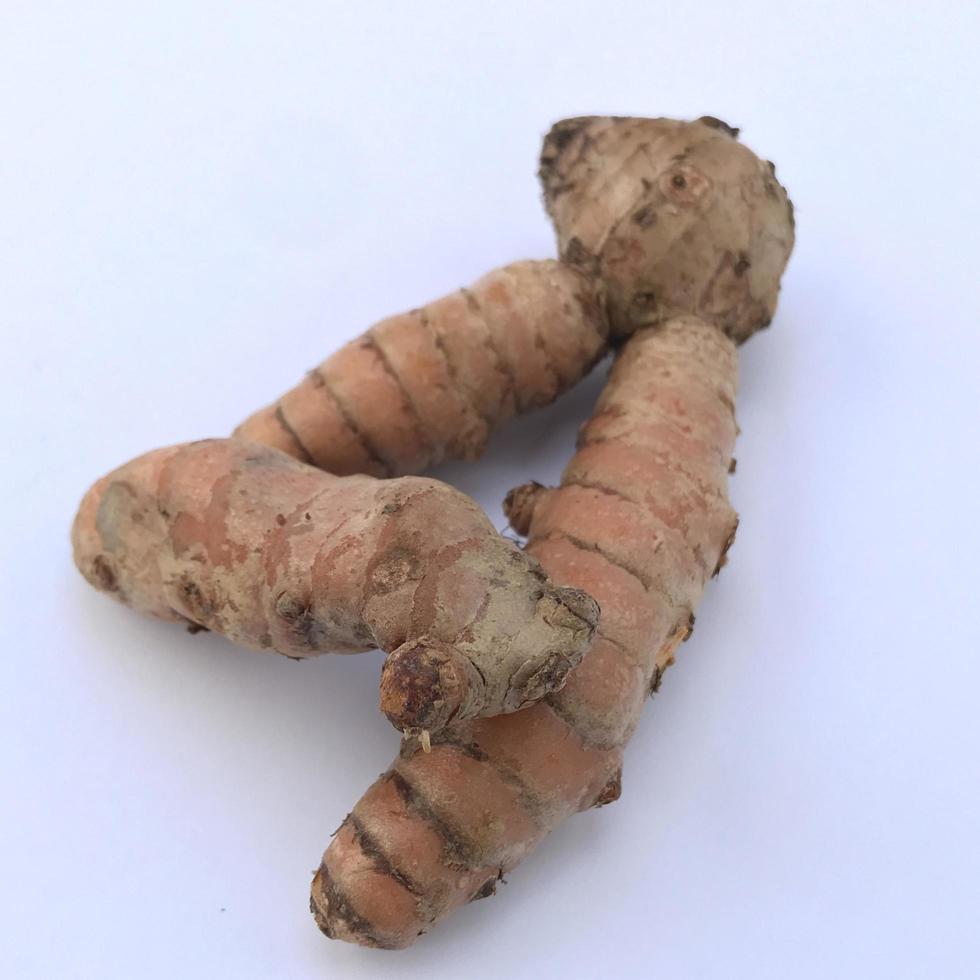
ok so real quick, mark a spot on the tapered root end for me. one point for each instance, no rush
(329, 919)
(424, 688)
(90, 559)
(336, 919)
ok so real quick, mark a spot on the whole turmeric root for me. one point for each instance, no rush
(687, 233)
(243, 540)
(434, 382)
(676, 236)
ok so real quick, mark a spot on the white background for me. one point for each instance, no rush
(199, 201)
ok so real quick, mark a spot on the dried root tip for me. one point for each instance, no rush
(577, 605)
(564, 141)
(665, 657)
(519, 505)
(715, 123)
(334, 916)
(487, 889)
(726, 547)
(425, 687)
(612, 790)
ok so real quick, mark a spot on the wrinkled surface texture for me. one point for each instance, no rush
(685, 233)
(673, 237)
(243, 540)
(672, 217)
(434, 382)
(641, 521)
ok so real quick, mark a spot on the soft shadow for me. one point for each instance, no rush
(536, 446)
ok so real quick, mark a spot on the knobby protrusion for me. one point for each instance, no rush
(519, 505)
(611, 791)
(231, 536)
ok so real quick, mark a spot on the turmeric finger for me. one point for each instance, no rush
(434, 382)
(243, 540)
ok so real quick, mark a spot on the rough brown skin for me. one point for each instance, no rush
(688, 221)
(671, 217)
(434, 382)
(243, 540)
(640, 528)
(641, 520)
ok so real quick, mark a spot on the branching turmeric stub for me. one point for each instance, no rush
(243, 540)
